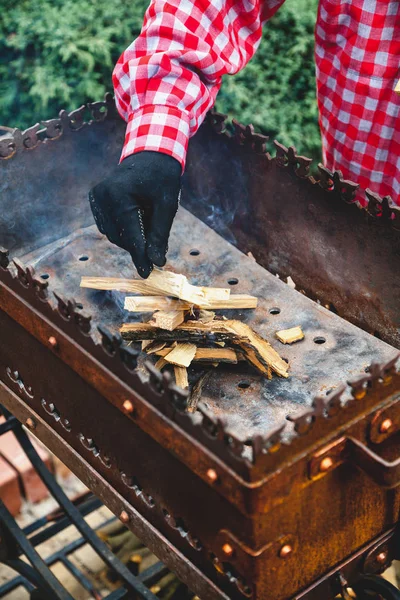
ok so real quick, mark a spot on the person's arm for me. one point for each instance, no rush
(165, 82)
(169, 77)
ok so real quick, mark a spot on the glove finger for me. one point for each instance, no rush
(161, 222)
(132, 239)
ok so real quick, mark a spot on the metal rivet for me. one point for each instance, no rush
(325, 464)
(381, 558)
(360, 394)
(124, 517)
(212, 475)
(385, 425)
(53, 342)
(228, 550)
(285, 551)
(128, 406)
(30, 423)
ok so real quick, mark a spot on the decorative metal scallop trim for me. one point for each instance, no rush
(330, 181)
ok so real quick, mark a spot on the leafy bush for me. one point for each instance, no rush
(60, 53)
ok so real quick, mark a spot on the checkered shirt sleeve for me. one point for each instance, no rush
(169, 77)
(358, 60)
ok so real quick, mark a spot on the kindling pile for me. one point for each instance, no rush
(184, 327)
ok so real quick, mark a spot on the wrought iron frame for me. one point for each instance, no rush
(36, 577)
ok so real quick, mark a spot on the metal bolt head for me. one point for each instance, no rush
(325, 464)
(385, 425)
(285, 551)
(228, 550)
(212, 475)
(53, 341)
(360, 393)
(30, 423)
(128, 406)
(124, 517)
(381, 558)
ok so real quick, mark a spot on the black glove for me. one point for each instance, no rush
(136, 205)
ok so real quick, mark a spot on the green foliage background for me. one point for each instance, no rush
(60, 53)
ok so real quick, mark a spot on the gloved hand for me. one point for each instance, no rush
(136, 205)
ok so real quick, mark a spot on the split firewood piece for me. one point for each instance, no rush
(216, 355)
(234, 301)
(257, 351)
(176, 285)
(181, 377)
(225, 355)
(168, 319)
(289, 336)
(197, 390)
(160, 283)
(154, 347)
(133, 286)
(165, 283)
(152, 303)
(161, 363)
(182, 355)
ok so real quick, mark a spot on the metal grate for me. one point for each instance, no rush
(36, 577)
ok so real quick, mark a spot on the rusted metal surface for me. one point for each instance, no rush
(261, 505)
(338, 253)
(363, 561)
(151, 536)
(250, 404)
(39, 204)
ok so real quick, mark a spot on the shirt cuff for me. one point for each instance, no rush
(160, 129)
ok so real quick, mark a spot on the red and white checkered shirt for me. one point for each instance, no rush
(169, 77)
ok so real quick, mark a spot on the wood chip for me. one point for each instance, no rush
(256, 350)
(181, 377)
(168, 320)
(146, 344)
(161, 363)
(182, 355)
(289, 336)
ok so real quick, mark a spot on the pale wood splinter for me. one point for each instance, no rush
(182, 355)
(225, 355)
(181, 377)
(152, 303)
(289, 336)
(168, 319)
(161, 283)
